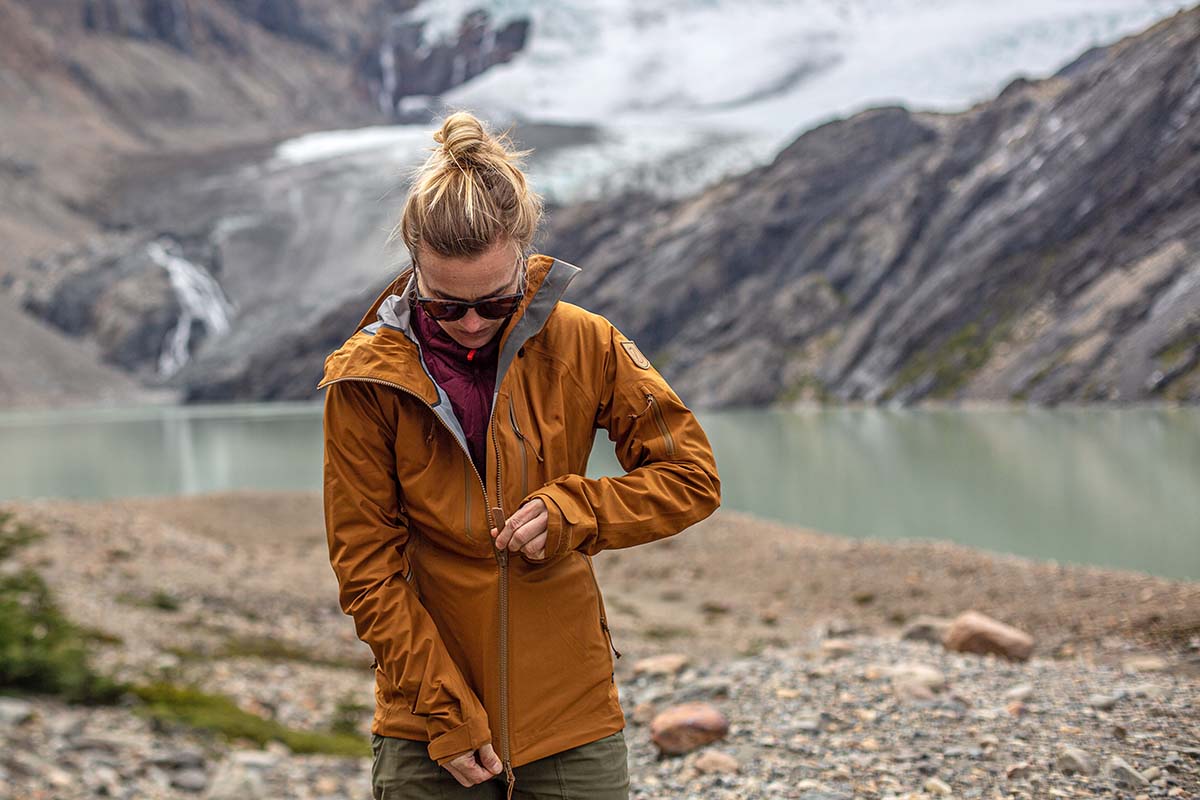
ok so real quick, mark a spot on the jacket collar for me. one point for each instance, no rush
(376, 353)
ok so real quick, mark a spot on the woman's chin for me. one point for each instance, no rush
(478, 340)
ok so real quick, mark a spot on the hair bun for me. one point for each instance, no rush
(469, 194)
(462, 137)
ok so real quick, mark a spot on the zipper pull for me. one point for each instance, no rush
(510, 777)
(608, 633)
(649, 400)
(498, 519)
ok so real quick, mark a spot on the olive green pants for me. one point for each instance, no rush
(597, 770)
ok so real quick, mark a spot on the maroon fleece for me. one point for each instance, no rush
(468, 375)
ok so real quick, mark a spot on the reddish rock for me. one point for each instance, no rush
(973, 632)
(683, 728)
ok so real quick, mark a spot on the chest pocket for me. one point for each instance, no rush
(527, 458)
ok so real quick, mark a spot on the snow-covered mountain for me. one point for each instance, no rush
(685, 91)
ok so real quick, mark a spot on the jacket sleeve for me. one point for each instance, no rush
(671, 479)
(367, 531)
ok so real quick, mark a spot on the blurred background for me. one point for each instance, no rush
(928, 271)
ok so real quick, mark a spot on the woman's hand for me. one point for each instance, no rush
(525, 530)
(476, 766)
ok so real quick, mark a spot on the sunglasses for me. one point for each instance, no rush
(495, 307)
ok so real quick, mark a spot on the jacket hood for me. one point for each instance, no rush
(385, 349)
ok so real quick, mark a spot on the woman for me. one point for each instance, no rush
(458, 423)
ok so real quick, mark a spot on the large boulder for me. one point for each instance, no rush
(975, 632)
(683, 728)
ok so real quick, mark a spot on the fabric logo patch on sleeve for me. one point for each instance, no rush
(635, 354)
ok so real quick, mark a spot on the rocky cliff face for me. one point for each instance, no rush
(1042, 246)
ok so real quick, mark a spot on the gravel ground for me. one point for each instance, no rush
(792, 634)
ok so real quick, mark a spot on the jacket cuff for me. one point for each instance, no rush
(558, 530)
(467, 737)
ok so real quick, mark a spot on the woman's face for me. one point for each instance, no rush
(496, 271)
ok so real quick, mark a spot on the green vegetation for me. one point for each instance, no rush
(40, 650)
(190, 706)
(1174, 357)
(808, 386)
(666, 632)
(348, 715)
(159, 600)
(1179, 348)
(661, 358)
(267, 649)
(953, 362)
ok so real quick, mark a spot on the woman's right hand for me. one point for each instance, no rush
(476, 766)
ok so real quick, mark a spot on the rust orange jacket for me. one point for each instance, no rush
(474, 644)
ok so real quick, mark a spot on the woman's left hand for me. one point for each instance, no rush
(525, 530)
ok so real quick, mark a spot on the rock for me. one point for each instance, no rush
(254, 759)
(682, 728)
(839, 627)
(926, 628)
(179, 759)
(705, 689)
(1018, 772)
(666, 664)
(236, 782)
(1149, 690)
(836, 648)
(973, 632)
(1152, 774)
(716, 761)
(908, 690)
(1124, 775)
(1104, 702)
(14, 711)
(643, 713)
(190, 780)
(913, 681)
(810, 723)
(1144, 664)
(937, 786)
(1073, 760)
(1022, 691)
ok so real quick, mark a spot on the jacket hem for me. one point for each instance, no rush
(565, 739)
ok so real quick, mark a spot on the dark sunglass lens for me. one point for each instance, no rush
(497, 309)
(444, 310)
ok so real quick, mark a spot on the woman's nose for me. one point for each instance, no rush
(472, 322)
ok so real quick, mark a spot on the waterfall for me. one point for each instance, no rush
(387, 65)
(458, 69)
(200, 298)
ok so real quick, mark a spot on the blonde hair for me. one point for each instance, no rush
(469, 194)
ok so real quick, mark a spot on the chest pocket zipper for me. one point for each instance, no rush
(512, 417)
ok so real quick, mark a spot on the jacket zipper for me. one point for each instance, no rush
(662, 424)
(600, 602)
(501, 559)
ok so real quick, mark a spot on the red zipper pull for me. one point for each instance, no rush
(471, 354)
